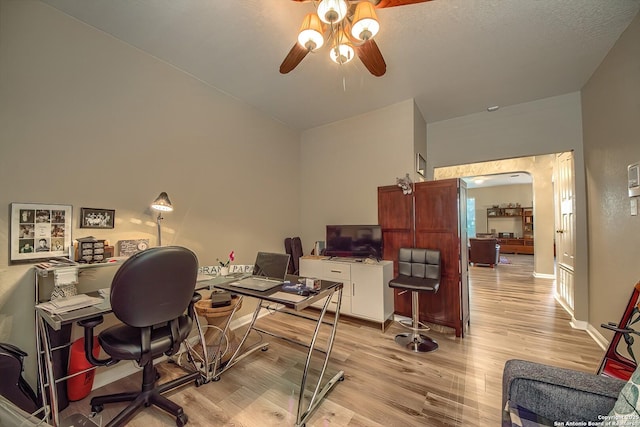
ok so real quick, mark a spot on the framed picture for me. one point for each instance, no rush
(421, 165)
(97, 218)
(39, 231)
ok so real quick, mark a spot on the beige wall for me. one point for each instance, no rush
(611, 125)
(541, 170)
(88, 121)
(344, 163)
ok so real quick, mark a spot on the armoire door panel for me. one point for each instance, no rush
(395, 209)
(436, 206)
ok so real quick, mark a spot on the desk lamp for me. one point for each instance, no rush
(161, 204)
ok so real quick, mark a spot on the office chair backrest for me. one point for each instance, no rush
(154, 286)
(296, 253)
(418, 262)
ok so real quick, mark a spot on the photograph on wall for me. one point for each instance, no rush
(97, 218)
(421, 165)
(39, 231)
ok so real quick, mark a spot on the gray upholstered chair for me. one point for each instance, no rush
(547, 394)
(418, 271)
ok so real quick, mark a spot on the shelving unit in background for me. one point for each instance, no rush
(512, 244)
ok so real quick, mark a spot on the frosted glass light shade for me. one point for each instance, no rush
(310, 36)
(342, 50)
(332, 11)
(365, 22)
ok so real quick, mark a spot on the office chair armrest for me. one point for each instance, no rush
(89, 325)
(196, 297)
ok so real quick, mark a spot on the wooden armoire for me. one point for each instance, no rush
(433, 217)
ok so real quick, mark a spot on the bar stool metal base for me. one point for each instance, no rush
(417, 343)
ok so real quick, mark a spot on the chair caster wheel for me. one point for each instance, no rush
(216, 379)
(181, 420)
(199, 381)
(341, 378)
(97, 408)
(265, 348)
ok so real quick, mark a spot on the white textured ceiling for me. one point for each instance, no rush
(454, 57)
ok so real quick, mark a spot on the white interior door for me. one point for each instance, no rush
(565, 228)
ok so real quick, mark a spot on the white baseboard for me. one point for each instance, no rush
(544, 276)
(598, 337)
(579, 324)
(602, 342)
(124, 369)
(114, 373)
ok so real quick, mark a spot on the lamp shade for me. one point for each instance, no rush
(342, 50)
(162, 203)
(365, 22)
(310, 36)
(332, 11)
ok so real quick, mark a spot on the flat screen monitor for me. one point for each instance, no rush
(357, 241)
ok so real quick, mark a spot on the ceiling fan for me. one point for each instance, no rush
(348, 26)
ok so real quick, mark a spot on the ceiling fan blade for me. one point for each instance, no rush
(393, 3)
(293, 58)
(382, 3)
(371, 57)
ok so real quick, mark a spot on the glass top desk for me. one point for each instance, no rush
(271, 301)
(212, 368)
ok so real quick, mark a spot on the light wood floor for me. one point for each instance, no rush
(513, 315)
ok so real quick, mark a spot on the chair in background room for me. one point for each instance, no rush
(293, 247)
(418, 271)
(484, 251)
(152, 294)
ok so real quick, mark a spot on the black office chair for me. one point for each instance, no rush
(153, 294)
(418, 271)
(293, 247)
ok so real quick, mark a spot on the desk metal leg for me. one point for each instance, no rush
(50, 379)
(318, 395)
(236, 357)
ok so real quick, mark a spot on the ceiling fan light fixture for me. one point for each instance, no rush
(365, 22)
(342, 50)
(332, 11)
(310, 35)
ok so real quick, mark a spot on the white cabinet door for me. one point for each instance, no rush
(366, 291)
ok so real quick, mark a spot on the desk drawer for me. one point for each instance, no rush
(337, 272)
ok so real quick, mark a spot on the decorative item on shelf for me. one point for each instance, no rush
(161, 204)
(406, 184)
(90, 250)
(224, 266)
(127, 248)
